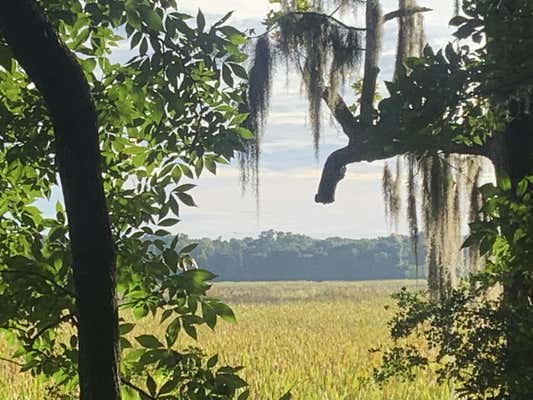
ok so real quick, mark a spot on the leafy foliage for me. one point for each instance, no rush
(480, 336)
(170, 111)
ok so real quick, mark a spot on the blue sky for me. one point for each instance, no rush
(289, 170)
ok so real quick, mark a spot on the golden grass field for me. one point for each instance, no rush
(312, 337)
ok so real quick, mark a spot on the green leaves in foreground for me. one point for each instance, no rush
(167, 113)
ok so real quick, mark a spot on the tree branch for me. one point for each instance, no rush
(341, 112)
(406, 12)
(335, 167)
(137, 389)
(329, 17)
(374, 23)
(8, 360)
(53, 324)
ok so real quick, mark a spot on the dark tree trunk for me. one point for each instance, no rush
(58, 76)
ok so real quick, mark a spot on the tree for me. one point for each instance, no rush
(171, 110)
(443, 108)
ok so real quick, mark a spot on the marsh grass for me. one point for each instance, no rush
(311, 337)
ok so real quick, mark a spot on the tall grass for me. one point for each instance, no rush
(313, 338)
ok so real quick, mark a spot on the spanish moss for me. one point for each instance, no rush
(410, 33)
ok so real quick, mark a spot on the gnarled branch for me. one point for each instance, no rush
(363, 150)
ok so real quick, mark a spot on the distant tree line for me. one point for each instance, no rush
(287, 256)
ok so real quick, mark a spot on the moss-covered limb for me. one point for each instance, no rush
(374, 25)
(325, 17)
(341, 112)
(367, 148)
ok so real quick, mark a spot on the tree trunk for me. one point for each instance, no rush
(60, 79)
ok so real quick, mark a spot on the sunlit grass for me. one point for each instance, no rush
(311, 337)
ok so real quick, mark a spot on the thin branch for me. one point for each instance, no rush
(330, 17)
(8, 360)
(331, 14)
(405, 12)
(54, 324)
(137, 388)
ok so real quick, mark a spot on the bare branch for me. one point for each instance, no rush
(8, 360)
(405, 13)
(137, 389)
(54, 324)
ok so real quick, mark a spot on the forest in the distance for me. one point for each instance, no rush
(278, 256)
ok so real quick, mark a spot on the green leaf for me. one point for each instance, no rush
(286, 396)
(126, 328)
(168, 387)
(233, 381)
(223, 19)
(212, 361)
(200, 21)
(144, 46)
(149, 341)
(225, 312)
(186, 199)
(152, 19)
(172, 332)
(227, 75)
(503, 180)
(151, 385)
(185, 188)
(187, 249)
(239, 71)
(209, 315)
(169, 222)
(245, 133)
(191, 331)
(458, 20)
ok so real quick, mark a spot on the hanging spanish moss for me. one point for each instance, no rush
(391, 193)
(321, 48)
(324, 51)
(448, 186)
(412, 213)
(475, 261)
(260, 78)
(374, 38)
(457, 7)
(410, 33)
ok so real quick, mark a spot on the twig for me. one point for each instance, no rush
(138, 389)
(53, 325)
(8, 360)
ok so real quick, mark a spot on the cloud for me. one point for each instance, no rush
(242, 8)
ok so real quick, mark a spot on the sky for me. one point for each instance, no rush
(289, 171)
